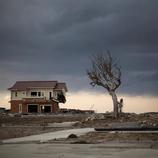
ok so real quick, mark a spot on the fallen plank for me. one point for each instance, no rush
(127, 129)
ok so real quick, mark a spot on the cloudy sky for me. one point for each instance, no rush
(53, 40)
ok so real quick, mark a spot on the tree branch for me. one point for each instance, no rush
(105, 72)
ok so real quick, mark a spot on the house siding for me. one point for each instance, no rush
(15, 106)
(27, 94)
(55, 107)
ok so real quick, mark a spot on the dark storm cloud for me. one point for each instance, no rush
(53, 39)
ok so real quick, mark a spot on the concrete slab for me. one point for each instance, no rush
(61, 125)
(50, 136)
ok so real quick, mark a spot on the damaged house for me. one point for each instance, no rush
(37, 96)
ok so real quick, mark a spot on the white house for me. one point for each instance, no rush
(37, 96)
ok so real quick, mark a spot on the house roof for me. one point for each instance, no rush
(24, 85)
(60, 86)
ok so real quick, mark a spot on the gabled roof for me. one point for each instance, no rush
(24, 85)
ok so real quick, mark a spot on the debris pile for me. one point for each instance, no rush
(75, 111)
(107, 119)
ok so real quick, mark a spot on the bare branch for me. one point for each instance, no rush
(105, 72)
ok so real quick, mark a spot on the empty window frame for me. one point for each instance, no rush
(33, 94)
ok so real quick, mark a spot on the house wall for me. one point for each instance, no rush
(27, 94)
(55, 107)
(15, 106)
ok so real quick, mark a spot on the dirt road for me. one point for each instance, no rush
(78, 151)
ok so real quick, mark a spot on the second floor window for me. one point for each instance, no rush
(33, 94)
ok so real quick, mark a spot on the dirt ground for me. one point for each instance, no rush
(18, 126)
(78, 151)
(103, 137)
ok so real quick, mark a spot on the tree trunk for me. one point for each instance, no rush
(115, 103)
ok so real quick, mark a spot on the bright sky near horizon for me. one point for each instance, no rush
(102, 102)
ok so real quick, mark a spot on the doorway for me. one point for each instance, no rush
(33, 108)
(46, 109)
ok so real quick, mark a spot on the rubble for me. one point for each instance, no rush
(97, 116)
(132, 119)
(12, 127)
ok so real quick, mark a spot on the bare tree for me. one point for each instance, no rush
(106, 73)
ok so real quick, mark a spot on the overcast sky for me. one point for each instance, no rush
(53, 40)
